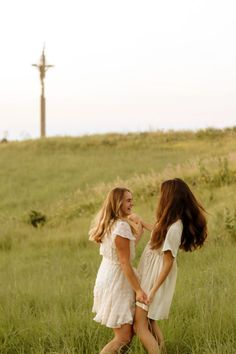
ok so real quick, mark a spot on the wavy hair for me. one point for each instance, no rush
(109, 213)
(178, 202)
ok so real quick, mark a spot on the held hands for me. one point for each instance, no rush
(150, 297)
(141, 296)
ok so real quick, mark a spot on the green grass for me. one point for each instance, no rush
(47, 273)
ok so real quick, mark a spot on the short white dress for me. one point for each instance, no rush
(114, 298)
(149, 268)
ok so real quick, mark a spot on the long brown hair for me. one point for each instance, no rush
(109, 213)
(178, 202)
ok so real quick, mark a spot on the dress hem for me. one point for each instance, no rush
(113, 326)
(158, 319)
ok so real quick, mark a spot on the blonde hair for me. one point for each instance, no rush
(109, 213)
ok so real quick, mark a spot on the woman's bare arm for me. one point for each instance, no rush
(168, 260)
(147, 226)
(136, 219)
(123, 250)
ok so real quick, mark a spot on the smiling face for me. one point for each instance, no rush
(127, 204)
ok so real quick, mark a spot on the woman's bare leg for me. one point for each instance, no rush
(123, 336)
(156, 331)
(143, 332)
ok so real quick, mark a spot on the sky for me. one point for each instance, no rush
(120, 66)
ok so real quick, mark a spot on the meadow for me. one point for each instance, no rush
(50, 190)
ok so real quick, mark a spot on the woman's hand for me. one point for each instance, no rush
(150, 297)
(139, 231)
(141, 296)
(135, 218)
(137, 225)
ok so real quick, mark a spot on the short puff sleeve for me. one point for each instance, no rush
(122, 228)
(173, 238)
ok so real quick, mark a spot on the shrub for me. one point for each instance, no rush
(36, 218)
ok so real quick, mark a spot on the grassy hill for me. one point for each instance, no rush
(47, 273)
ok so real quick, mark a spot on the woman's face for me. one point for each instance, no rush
(127, 204)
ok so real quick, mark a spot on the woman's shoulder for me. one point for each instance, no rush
(173, 238)
(122, 223)
(177, 225)
(122, 228)
(176, 228)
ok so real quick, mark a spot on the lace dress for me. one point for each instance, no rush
(114, 298)
(149, 268)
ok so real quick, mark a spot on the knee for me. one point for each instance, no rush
(126, 338)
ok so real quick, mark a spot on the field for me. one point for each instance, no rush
(47, 272)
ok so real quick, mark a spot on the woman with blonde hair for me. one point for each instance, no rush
(116, 285)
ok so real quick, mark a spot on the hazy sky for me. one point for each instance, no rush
(119, 65)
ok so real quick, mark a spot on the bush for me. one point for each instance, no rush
(36, 218)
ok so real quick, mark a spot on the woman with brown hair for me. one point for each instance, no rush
(180, 223)
(116, 285)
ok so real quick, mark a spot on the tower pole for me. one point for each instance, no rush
(42, 67)
(43, 114)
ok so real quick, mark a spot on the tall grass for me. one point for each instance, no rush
(47, 273)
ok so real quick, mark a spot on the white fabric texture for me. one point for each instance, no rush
(149, 268)
(114, 298)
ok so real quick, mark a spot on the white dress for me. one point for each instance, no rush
(114, 298)
(149, 268)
